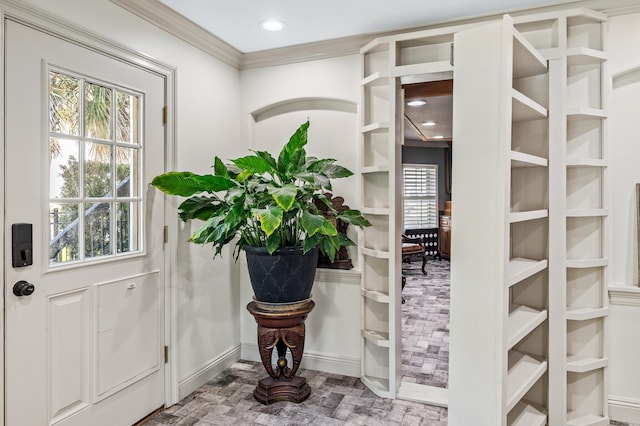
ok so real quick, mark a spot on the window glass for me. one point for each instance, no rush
(94, 170)
(420, 196)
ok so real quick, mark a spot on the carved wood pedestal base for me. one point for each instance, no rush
(295, 389)
(281, 327)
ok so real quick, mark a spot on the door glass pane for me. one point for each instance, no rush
(127, 118)
(127, 171)
(97, 111)
(63, 232)
(64, 105)
(97, 171)
(127, 231)
(97, 229)
(64, 176)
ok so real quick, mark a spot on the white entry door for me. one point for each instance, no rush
(84, 137)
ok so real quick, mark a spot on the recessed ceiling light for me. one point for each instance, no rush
(416, 102)
(272, 25)
(438, 137)
(429, 123)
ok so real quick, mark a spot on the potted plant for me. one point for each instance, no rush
(269, 207)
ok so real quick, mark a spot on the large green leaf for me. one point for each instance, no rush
(253, 164)
(311, 242)
(219, 168)
(354, 217)
(273, 242)
(284, 196)
(187, 183)
(329, 248)
(270, 218)
(268, 158)
(334, 171)
(293, 152)
(199, 208)
(315, 223)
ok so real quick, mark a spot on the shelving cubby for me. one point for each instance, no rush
(586, 220)
(587, 404)
(527, 216)
(424, 55)
(377, 179)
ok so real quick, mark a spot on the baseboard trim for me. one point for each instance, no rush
(208, 371)
(624, 409)
(347, 366)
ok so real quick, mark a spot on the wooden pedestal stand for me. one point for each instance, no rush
(281, 327)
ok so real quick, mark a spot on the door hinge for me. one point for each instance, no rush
(165, 112)
(166, 354)
(165, 234)
(451, 57)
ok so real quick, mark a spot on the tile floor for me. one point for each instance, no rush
(425, 323)
(334, 400)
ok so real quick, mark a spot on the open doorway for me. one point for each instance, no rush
(426, 223)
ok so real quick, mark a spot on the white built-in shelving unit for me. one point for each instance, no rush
(501, 137)
(573, 42)
(529, 280)
(385, 62)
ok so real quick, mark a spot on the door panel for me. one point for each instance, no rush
(86, 347)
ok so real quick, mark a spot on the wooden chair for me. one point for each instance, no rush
(414, 247)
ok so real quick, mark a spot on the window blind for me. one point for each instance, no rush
(420, 196)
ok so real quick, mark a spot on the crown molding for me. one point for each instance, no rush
(307, 52)
(167, 19)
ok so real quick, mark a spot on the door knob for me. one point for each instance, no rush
(23, 288)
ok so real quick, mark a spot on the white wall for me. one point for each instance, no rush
(333, 328)
(207, 124)
(624, 138)
(213, 119)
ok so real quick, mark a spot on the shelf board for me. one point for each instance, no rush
(379, 168)
(375, 79)
(520, 159)
(376, 296)
(587, 162)
(526, 59)
(375, 127)
(522, 321)
(377, 338)
(376, 211)
(581, 419)
(585, 56)
(583, 314)
(527, 413)
(520, 268)
(587, 263)
(527, 215)
(524, 372)
(374, 46)
(582, 364)
(525, 108)
(424, 68)
(587, 212)
(583, 113)
(377, 385)
(378, 254)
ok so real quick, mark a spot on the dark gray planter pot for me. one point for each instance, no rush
(286, 276)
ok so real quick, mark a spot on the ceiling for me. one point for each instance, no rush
(236, 22)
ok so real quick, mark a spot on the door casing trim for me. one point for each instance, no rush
(42, 21)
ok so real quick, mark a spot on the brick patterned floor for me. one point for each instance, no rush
(425, 323)
(334, 400)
